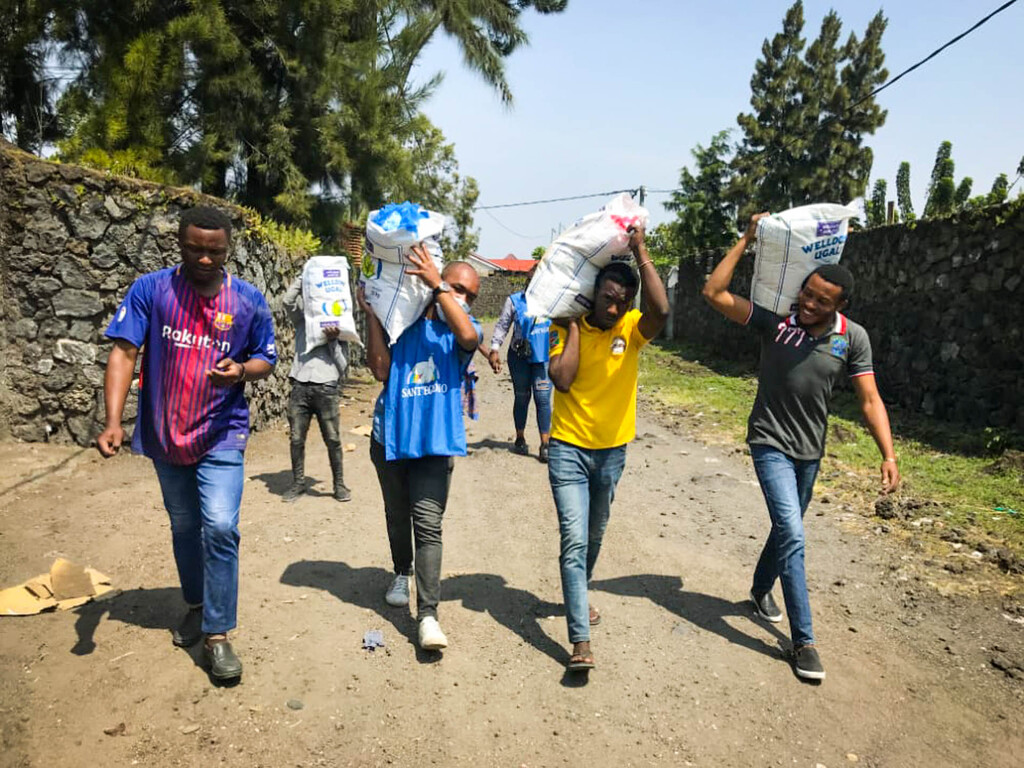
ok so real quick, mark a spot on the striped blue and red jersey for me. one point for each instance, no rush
(182, 416)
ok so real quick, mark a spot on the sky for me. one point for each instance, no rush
(612, 95)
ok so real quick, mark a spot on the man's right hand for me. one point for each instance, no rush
(494, 358)
(109, 441)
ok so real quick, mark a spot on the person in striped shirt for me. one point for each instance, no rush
(203, 333)
(803, 356)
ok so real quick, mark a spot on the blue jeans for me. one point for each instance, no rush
(583, 483)
(787, 484)
(530, 378)
(203, 500)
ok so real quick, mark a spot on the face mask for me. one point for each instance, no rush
(440, 310)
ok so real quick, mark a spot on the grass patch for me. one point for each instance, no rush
(955, 466)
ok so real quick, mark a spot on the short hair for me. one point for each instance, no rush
(204, 217)
(837, 275)
(618, 272)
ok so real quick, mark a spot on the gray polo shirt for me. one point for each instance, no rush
(798, 373)
(325, 363)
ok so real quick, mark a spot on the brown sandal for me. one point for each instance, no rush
(595, 617)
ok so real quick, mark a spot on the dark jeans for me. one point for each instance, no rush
(530, 379)
(415, 496)
(306, 401)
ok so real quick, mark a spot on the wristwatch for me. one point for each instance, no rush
(443, 287)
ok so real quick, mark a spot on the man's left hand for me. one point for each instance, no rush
(332, 332)
(226, 373)
(890, 476)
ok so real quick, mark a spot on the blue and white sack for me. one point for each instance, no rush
(396, 297)
(327, 300)
(792, 244)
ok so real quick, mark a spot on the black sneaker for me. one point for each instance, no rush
(224, 664)
(542, 455)
(342, 493)
(294, 491)
(521, 447)
(807, 663)
(766, 607)
(190, 630)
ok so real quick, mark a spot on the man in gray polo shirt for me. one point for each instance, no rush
(802, 357)
(315, 392)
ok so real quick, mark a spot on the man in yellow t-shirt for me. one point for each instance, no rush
(593, 365)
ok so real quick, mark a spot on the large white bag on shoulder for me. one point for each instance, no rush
(397, 298)
(563, 285)
(327, 300)
(792, 244)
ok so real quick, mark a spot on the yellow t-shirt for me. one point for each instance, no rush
(599, 410)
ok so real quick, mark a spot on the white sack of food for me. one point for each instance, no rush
(327, 300)
(792, 244)
(396, 297)
(563, 285)
(392, 231)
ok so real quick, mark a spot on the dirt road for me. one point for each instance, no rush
(685, 675)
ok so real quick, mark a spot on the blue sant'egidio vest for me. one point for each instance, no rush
(533, 329)
(423, 396)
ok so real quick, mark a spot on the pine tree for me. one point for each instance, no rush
(26, 93)
(942, 187)
(705, 218)
(803, 142)
(903, 198)
(767, 162)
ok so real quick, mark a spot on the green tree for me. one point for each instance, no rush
(903, 198)
(962, 196)
(941, 188)
(705, 217)
(537, 252)
(1000, 190)
(663, 246)
(26, 92)
(767, 160)
(298, 110)
(803, 141)
(877, 205)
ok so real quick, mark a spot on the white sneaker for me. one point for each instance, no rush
(398, 593)
(431, 636)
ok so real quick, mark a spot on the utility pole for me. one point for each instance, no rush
(643, 193)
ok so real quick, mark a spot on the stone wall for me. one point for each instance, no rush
(941, 301)
(71, 242)
(494, 289)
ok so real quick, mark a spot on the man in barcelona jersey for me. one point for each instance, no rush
(203, 333)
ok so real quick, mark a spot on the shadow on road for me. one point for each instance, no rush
(515, 609)
(489, 442)
(160, 608)
(279, 482)
(705, 611)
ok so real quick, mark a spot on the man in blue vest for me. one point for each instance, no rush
(528, 367)
(418, 428)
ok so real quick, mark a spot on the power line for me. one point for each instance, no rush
(554, 200)
(509, 229)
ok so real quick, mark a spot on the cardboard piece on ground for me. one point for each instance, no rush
(364, 429)
(69, 580)
(77, 587)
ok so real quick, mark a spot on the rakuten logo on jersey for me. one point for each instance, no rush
(188, 340)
